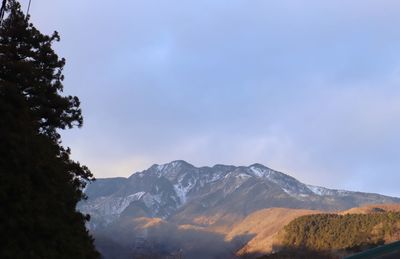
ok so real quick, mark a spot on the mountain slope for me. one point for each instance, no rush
(223, 211)
(218, 195)
(264, 226)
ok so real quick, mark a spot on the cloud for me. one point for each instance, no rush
(305, 87)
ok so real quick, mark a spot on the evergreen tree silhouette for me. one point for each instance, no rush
(40, 185)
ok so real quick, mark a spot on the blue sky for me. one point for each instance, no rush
(310, 88)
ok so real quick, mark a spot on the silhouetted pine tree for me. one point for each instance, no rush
(39, 184)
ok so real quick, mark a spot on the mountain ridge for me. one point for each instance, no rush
(314, 188)
(229, 206)
(182, 191)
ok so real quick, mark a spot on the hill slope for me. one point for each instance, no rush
(264, 225)
(334, 235)
(267, 226)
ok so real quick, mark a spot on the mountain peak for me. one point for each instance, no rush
(180, 163)
(172, 164)
(258, 165)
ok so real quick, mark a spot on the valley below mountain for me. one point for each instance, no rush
(177, 210)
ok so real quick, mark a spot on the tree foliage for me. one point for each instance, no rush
(350, 232)
(39, 184)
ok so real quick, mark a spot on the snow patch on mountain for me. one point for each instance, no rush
(136, 196)
(152, 201)
(264, 172)
(118, 205)
(243, 176)
(182, 191)
(288, 184)
(214, 178)
(319, 190)
(260, 172)
(161, 167)
(297, 195)
(111, 206)
(322, 191)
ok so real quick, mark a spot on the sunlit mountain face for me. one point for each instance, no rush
(141, 213)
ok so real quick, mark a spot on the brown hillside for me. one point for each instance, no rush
(372, 208)
(264, 225)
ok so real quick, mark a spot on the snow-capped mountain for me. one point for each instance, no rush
(180, 192)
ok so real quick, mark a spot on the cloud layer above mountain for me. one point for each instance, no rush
(310, 88)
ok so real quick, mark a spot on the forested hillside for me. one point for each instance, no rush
(342, 232)
(334, 235)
